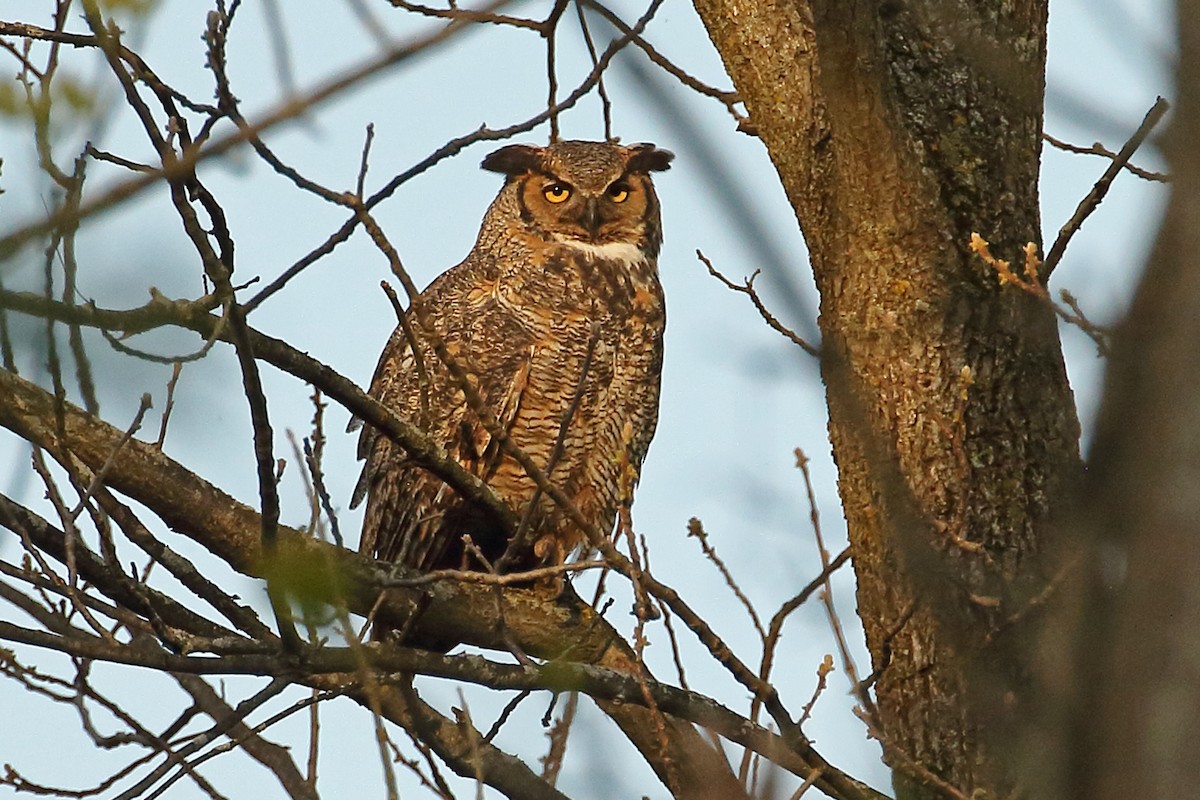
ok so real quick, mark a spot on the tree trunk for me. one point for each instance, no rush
(898, 129)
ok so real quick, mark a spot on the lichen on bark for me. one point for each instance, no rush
(898, 129)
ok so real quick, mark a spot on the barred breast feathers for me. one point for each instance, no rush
(556, 315)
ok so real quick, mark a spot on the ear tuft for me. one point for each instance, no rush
(513, 159)
(648, 158)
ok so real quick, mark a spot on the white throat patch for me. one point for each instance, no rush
(624, 252)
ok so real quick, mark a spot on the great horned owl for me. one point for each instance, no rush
(559, 299)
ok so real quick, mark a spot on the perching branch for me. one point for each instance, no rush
(545, 628)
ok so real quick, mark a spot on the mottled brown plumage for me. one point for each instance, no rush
(565, 264)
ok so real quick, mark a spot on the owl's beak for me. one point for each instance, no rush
(590, 218)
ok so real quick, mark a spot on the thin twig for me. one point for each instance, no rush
(823, 670)
(98, 477)
(728, 98)
(505, 713)
(318, 479)
(364, 161)
(1098, 149)
(187, 162)
(470, 15)
(450, 148)
(501, 579)
(605, 103)
(1092, 200)
(1032, 284)
(806, 784)
(827, 595)
(695, 529)
(748, 289)
(550, 33)
(553, 760)
(169, 406)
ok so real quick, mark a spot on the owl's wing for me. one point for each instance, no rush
(391, 362)
(412, 516)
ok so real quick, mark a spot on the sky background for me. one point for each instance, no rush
(737, 398)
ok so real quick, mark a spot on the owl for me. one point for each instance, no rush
(556, 316)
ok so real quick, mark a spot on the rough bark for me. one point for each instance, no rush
(898, 129)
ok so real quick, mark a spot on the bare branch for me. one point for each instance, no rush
(1032, 284)
(543, 627)
(1093, 198)
(695, 529)
(187, 161)
(1098, 149)
(749, 290)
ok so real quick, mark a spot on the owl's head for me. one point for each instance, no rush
(588, 194)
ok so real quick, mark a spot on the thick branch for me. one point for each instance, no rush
(342, 663)
(548, 627)
(423, 452)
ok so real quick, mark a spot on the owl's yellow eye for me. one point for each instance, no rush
(618, 193)
(557, 192)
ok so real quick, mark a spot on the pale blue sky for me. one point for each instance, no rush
(737, 398)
